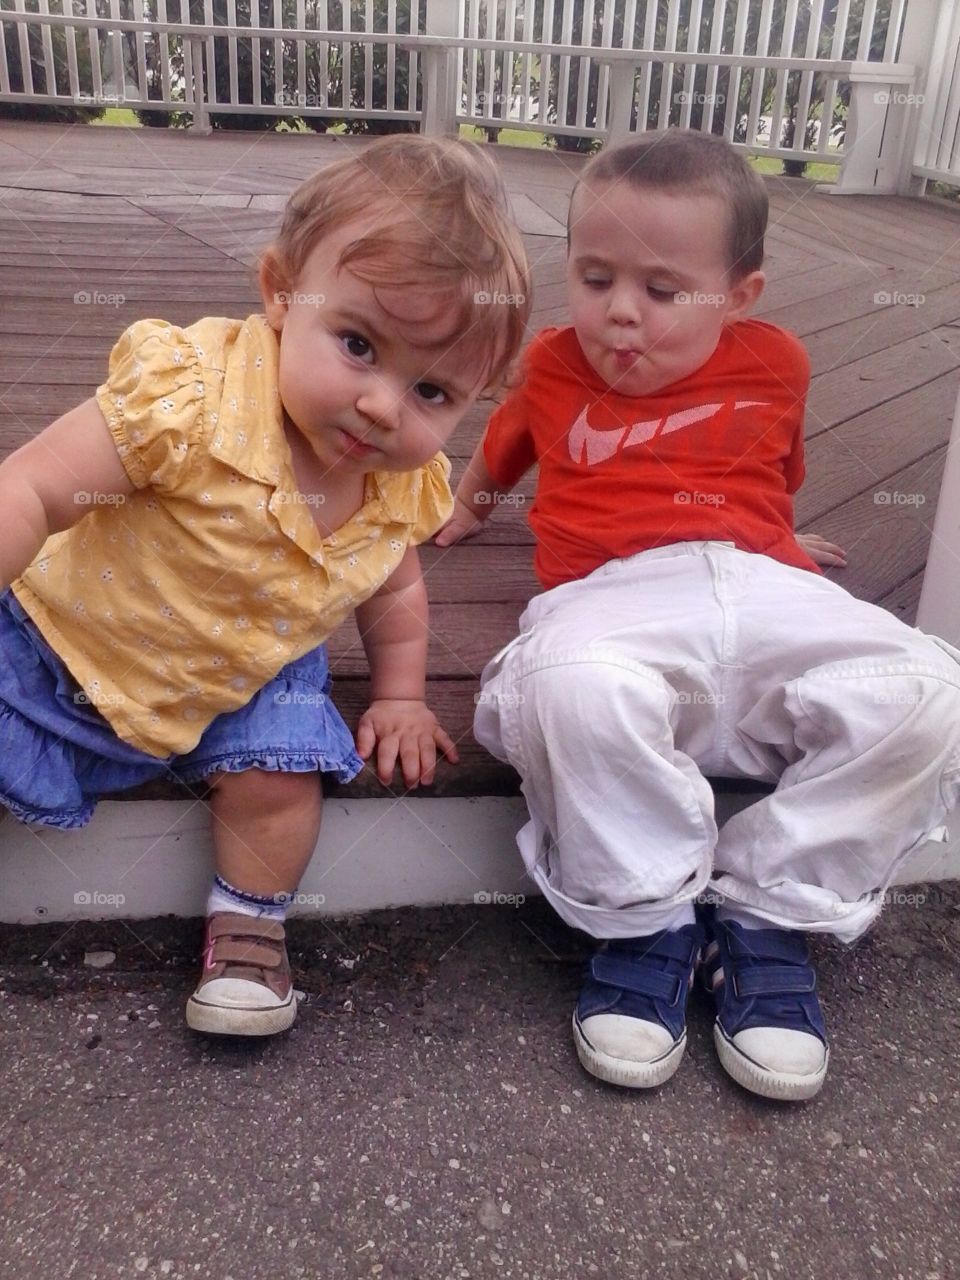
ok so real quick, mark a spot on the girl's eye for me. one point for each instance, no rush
(662, 294)
(356, 345)
(430, 392)
(596, 282)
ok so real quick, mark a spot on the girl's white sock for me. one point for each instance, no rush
(226, 897)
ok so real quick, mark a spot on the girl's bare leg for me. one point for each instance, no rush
(265, 828)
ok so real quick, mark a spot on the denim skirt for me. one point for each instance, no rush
(58, 755)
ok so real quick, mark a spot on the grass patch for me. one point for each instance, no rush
(119, 116)
(507, 138)
(817, 172)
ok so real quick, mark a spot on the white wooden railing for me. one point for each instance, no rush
(937, 123)
(876, 87)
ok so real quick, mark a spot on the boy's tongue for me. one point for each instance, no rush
(625, 357)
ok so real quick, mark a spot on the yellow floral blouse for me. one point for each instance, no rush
(180, 601)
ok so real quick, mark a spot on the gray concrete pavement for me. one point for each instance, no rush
(426, 1117)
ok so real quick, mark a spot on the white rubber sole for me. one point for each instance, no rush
(621, 1071)
(779, 1085)
(221, 1020)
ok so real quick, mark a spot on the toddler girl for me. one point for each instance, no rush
(181, 545)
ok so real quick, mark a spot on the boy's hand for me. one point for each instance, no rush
(404, 729)
(463, 524)
(821, 551)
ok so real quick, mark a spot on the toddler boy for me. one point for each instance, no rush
(683, 633)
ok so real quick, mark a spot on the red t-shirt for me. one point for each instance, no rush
(713, 456)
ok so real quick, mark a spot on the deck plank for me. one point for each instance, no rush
(853, 324)
(841, 393)
(886, 532)
(869, 450)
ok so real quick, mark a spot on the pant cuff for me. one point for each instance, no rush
(809, 908)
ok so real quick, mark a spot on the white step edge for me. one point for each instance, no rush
(151, 858)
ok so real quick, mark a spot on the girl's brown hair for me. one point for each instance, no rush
(436, 216)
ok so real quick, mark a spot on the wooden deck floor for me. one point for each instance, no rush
(172, 223)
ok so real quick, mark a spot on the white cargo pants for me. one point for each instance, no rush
(625, 690)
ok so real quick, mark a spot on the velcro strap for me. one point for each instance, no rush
(615, 972)
(259, 955)
(227, 924)
(676, 945)
(774, 980)
(768, 944)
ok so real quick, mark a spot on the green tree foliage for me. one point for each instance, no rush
(323, 68)
(67, 113)
(727, 82)
(155, 51)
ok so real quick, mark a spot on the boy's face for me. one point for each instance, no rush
(372, 379)
(648, 290)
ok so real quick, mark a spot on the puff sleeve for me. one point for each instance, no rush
(153, 401)
(436, 500)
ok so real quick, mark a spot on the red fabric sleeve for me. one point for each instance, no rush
(798, 379)
(795, 469)
(508, 447)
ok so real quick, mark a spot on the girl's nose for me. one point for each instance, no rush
(379, 403)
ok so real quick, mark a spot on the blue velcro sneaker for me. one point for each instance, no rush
(769, 1030)
(630, 1025)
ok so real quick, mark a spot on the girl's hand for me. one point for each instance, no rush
(404, 729)
(821, 551)
(463, 524)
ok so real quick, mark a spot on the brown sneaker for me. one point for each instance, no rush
(245, 989)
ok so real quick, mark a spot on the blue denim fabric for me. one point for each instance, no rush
(58, 755)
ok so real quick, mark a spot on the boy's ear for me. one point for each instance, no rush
(274, 289)
(744, 294)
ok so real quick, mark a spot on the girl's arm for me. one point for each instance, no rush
(393, 626)
(476, 497)
(53, 481)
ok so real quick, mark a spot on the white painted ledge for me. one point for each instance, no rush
(151, 858)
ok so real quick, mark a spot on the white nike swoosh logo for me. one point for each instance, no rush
(590, 445)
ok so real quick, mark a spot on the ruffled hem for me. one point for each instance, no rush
(274, 762)
(69, 820)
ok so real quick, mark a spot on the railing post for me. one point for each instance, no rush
(196, 83)
(623, 75)
(885, 117)
(920, 45)
(438, 68)
(880, 105)
(939, 608)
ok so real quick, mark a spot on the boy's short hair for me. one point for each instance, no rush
(438, 218)
(683, 160)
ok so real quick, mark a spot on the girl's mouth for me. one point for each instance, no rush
(352, 445)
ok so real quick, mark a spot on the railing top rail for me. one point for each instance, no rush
(601, 53)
